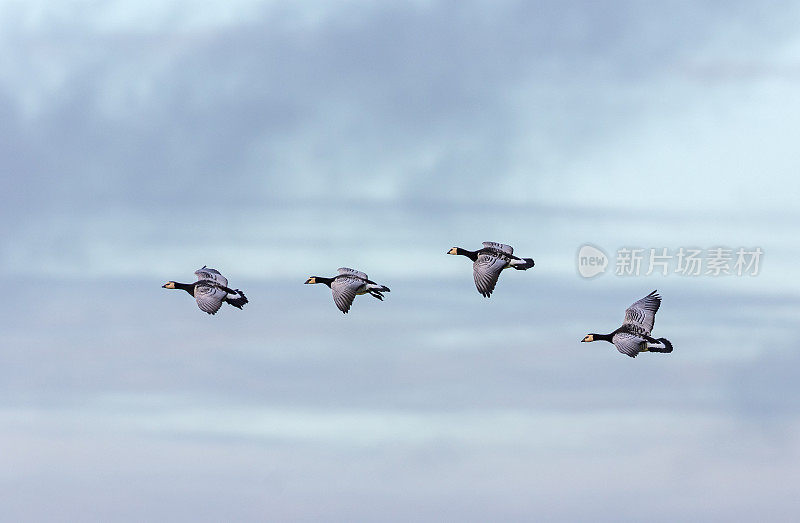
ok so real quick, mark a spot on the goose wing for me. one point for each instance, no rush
(209, 297)
(357, 274)
(211, 274)
(627, 343)
(641, 316)
(344, 289)
(486, 270)
(500, 247)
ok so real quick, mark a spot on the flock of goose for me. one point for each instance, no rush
(211, 291)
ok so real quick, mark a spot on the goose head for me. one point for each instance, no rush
(169, 285)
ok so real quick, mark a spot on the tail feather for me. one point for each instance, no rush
(523, 264)
(238, 301)
(377, 291)
(661, 345)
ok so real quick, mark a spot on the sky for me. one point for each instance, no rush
(275, 140)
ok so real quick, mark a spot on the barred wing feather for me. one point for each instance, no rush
(641, 316)
(627, 343)
(486, 270)
(211, 274)
(209, 297)
(500, 247)
(357, 274)
(344, 289)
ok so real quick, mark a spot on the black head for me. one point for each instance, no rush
(169, 285)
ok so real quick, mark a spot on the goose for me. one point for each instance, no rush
(489, 262)
(210, 290)
(634, 335)
(346, 285)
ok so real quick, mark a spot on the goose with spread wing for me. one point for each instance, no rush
(489, 262)
(210, 291)
(633, 336)
(348, 284)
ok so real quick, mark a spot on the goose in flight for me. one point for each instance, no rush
(346, 285)
(489, 262)
(634, 335)
(210, 290)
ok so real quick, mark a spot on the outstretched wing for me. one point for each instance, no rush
(357, 274)
(499, 246)
(641, 316)
(344, 290)
(209, 297)
(627, 343)
(486, 270)
(211, 274)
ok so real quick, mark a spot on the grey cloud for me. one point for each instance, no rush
(374, 102)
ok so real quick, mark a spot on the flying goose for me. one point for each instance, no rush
(210, 290)
(489, 262)
(634, 335)
(346, 285)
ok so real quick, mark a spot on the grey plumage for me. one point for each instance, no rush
(211, 290)
(486, 271)
(348, 284)
(640, 317)
(489, 262)
(634, 336)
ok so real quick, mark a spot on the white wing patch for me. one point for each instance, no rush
(499, 246)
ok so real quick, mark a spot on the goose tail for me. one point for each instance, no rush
(377, 291)
(523, 264)
(238, 300)
(661, 345)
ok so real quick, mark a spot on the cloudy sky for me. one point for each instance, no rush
(279, 139)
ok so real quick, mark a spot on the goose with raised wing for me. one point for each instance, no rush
(489, 262)
(633, 336)
(210, 290)
(348, 284)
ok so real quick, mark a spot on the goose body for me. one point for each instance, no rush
(634, 336)
(489, 262)
(348, 284)
(210, 291)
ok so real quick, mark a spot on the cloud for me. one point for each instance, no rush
(280, 139)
